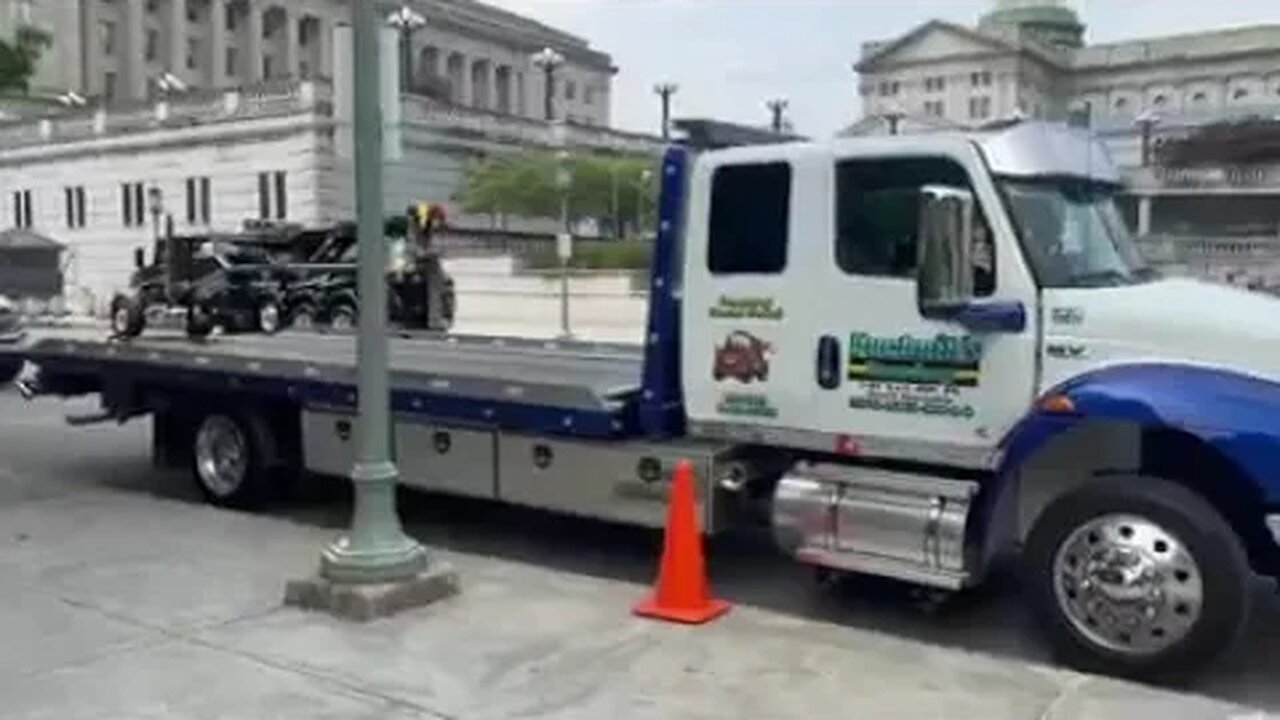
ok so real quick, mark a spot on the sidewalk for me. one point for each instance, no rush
(123, 605)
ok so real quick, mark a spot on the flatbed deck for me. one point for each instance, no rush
(569, 387)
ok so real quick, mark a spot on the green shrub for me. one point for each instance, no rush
(595, 255)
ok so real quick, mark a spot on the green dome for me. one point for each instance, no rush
(1046, 21)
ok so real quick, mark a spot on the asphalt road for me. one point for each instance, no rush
(42, 457)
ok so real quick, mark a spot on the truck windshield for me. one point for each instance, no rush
(1073, 234)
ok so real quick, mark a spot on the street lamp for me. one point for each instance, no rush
(665, 90)
(375, 569)
(407, 21)
(564, 241)
(548, 60)
(894, 119)
(1146, 122)
(777, 108)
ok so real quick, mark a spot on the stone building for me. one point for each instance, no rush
(1030, 58)
(101, 177)
(477, 55)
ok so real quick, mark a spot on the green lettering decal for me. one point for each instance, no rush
(751, 308)
(953, 360)
(746, 405)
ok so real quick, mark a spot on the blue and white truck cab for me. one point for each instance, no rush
(967, 353)
(909, 354)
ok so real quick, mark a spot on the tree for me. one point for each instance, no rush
(619, 190)
(18, 58)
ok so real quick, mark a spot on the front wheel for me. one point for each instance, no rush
(128, 318)
(1138, 577)
(270, 317)
(344, 318)
(200, 322)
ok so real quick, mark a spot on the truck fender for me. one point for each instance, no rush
(1113, 411)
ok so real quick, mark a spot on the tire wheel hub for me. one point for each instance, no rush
(222, 456)
(1128, 585)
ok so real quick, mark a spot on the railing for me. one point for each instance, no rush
(195, 108)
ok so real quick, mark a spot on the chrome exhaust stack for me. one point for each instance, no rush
(899, 525)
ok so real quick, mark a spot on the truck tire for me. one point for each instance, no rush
(344, 317)
(303, 317)
(128, 318)
(1138, 577)
(199, 322)
(227, 462)
(270, 317)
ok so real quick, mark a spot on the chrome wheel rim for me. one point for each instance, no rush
(222, 455)
(1128, 585)
(120, 320)
(269, 318)
(303, 321)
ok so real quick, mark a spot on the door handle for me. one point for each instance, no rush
(828, 364)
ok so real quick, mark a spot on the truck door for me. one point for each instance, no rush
(891, 378)
(755, 225)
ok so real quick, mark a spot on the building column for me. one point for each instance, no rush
(176, 28)
(292, 47)
(324, 36)
(253, 44)
(1144, 215)
(91, 59)
(217, 39)
(133, 50)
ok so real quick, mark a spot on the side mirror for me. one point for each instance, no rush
(945, 274)
(944, 279)
(139, 258)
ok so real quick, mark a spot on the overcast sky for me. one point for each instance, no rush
(729, 56)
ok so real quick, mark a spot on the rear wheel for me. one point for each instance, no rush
(270, 317)
(199, 322)
(343, 317)
(127, 317)
(1138, 577)
(227, 463)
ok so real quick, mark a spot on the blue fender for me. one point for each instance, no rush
(1234, 413)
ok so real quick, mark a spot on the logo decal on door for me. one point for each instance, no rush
(743, 357)
(915, 376)
(943, 360)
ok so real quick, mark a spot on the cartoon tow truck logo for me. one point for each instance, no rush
(743, 357)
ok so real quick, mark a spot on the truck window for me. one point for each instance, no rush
(877, 213)
(750, 208)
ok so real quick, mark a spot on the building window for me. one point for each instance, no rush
(152, 45)
(1199, 98)
(198, 200)
(232, 18)
(890, 87)
(570, 90)
(193, 14)
(268, 66)
(273, 198)
(1122, 103)
(877, 222)
(304, 70)
(979, 108)
(980, 79)
(231, 61)
(750, 210)
(107, 37)
(109, 85)
(22, 215)
(193, 53)
(1160, 101)
(935, 84)
(133, 201)
(589, 95)
(153, 7)
(75, 206)
(1240, 94)
(934, 108)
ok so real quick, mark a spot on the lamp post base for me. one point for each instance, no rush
(363, 602)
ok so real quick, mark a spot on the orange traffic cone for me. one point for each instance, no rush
(682, 593)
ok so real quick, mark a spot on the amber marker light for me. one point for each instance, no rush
(1057, 403)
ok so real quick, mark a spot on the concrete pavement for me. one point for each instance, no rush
(122, 597)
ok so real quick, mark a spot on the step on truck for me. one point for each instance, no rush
(907, 355)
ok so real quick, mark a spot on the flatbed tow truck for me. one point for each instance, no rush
(956, 351)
